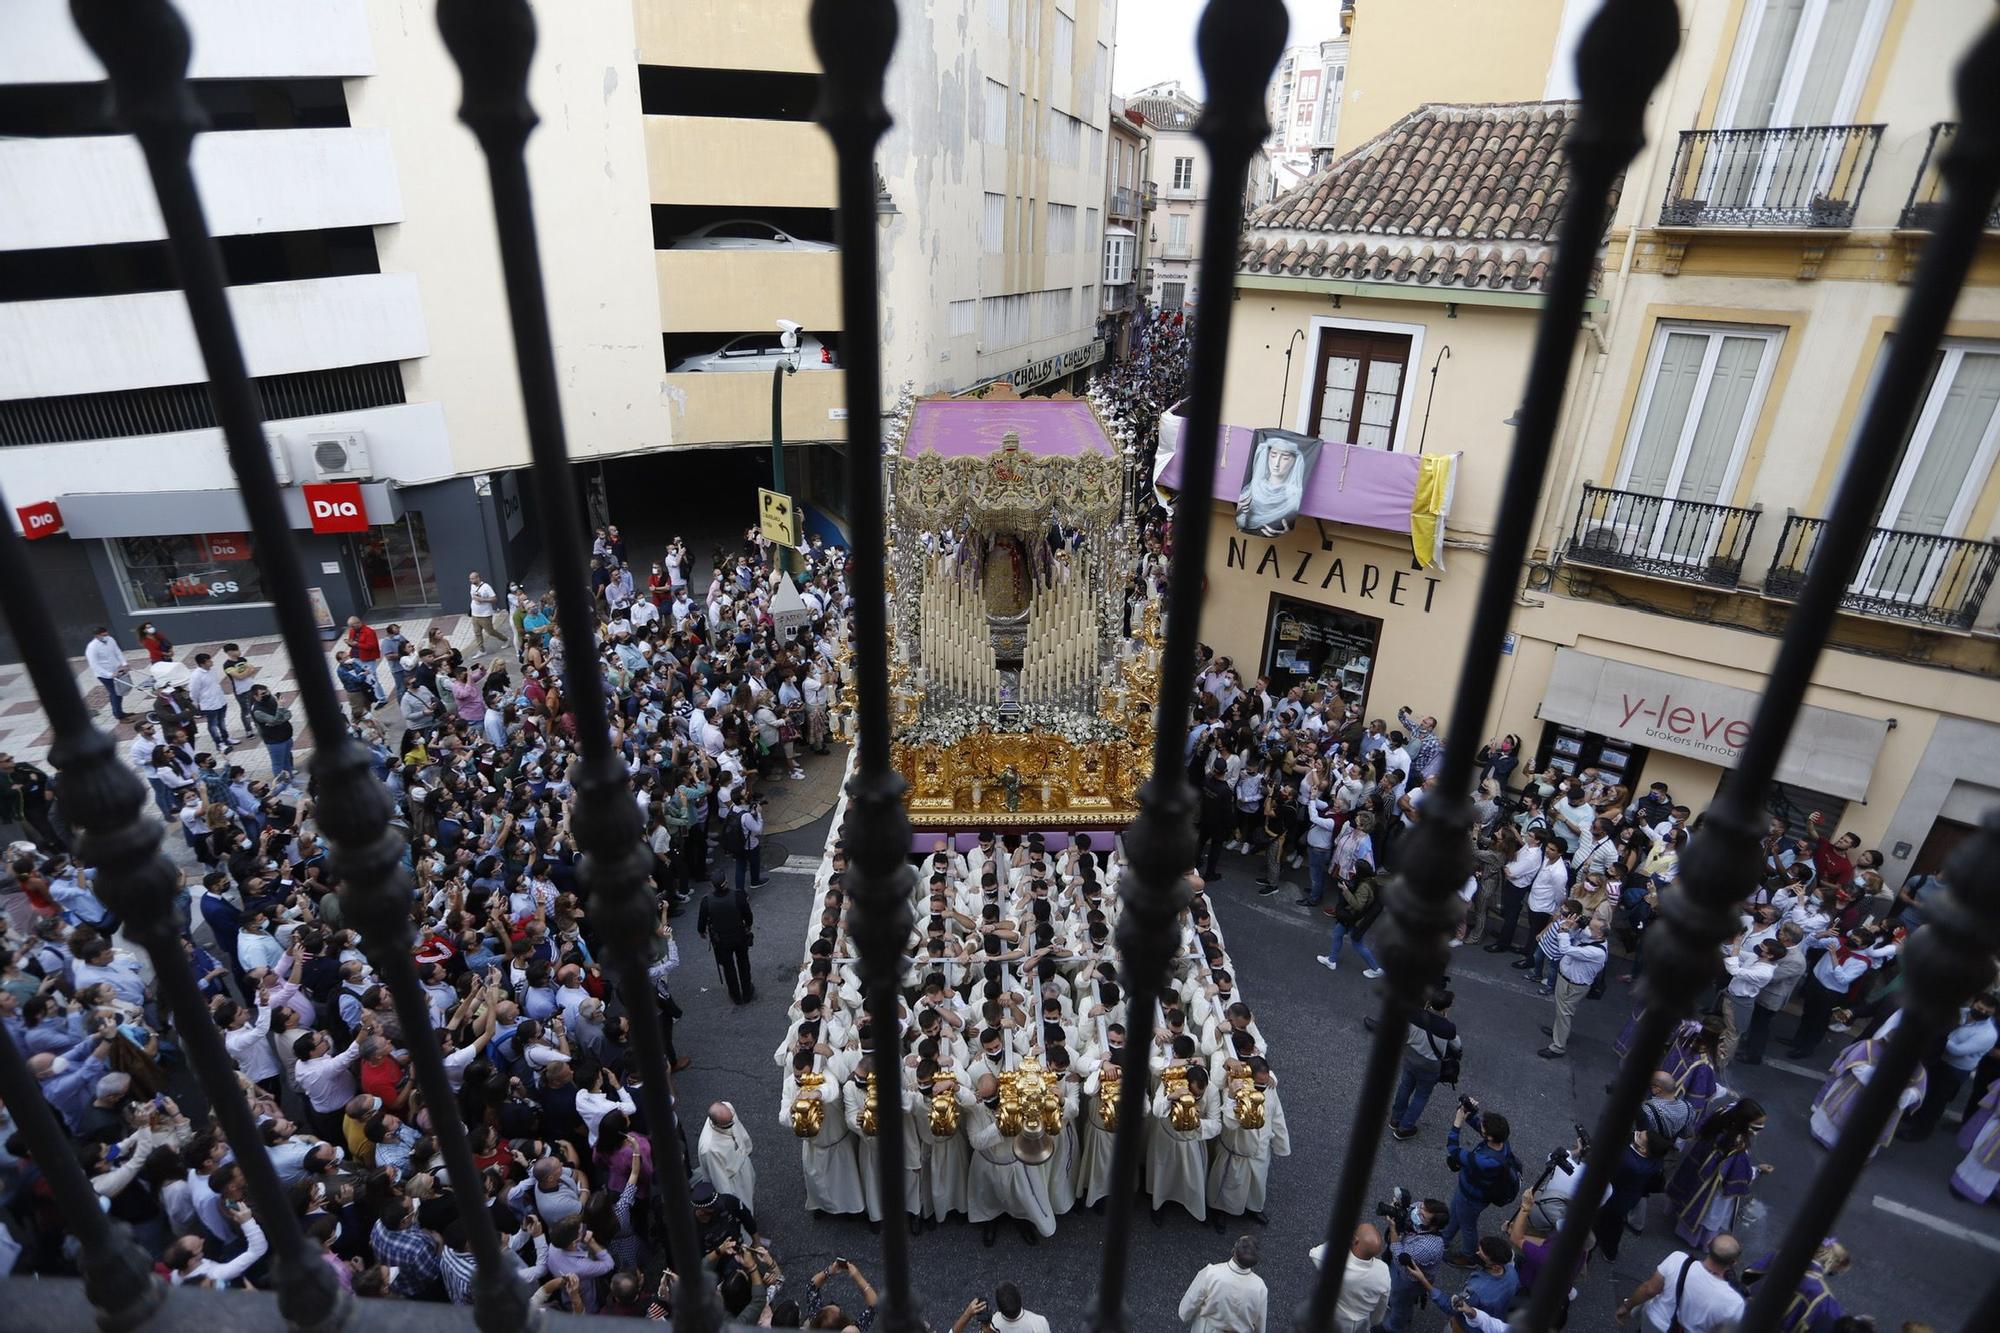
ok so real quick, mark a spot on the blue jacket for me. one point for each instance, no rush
(1482, 1170)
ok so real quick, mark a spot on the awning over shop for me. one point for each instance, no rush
(1372, 488)
(1830, 751)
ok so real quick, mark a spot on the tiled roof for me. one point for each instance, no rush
(1516, 267)
(1477, 191)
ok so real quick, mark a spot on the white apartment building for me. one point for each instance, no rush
(354, 218)
(354, 221)
(995, 170)
(1179, 172)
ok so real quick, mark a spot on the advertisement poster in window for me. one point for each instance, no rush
(199, 569)
(1274, 486)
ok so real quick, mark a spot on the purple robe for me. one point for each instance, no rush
(1840, 1093)
(1708, 1191)
(1978, 1176)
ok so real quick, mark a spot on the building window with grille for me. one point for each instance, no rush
(1183, 173)
(181, 573)
(1358, 379)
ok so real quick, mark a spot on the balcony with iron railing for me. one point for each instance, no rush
(1119, 297)
(1686, 541)
(1149, 196)
(1124, 202)
(1919, 577)
(1623, 54)
(1926, 202)
(1808, 177)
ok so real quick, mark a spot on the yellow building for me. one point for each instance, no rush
(1750, 283)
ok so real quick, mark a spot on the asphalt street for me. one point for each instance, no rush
(1920, 1252)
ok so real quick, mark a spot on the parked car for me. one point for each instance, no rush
(745, 234)
(758, 351)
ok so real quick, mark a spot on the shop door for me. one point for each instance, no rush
(395, 564)
(1939, 844)
(1306, 644)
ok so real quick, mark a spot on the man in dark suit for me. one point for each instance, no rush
(725, 921)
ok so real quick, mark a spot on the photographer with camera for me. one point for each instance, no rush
(1431, 1056)
(1488, 1175)
(1562, 1171)
(1415, 1232)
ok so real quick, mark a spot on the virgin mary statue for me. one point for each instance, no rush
(1274, 487)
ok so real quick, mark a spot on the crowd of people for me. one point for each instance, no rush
(1569, 866)
(1013, 1011)
(711, 705)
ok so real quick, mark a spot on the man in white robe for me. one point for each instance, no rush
(833, 1177)
(1241, 1172)
(1228, 1297)
(999, 1183)
(854, 1096)
(724, 1152)
(1094, 1143)
(1177, 1159)
(945, 1159)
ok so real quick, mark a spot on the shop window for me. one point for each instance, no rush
(1358, 386)
(176, 573)
(1308, 644)
(1572, 749)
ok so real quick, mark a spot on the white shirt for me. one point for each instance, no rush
(1025, 1322)
(1707, 1303)
(1748, 974)
(482, 596)
(250, 1047)
(106, 658)
(205, 687)
(1550, 888)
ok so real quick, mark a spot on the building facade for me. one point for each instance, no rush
(1179, 175)
(349, 208)
(1751, 280)
(1129, 200)
(688, 196)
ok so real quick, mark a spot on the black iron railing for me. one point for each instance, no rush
(1124, 202)
(1809, 176)
(1688, 541)
(1924, 204)
(1622, 56)
(1149, 196)
(1914, 576)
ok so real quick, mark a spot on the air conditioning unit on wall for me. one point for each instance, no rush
(341, 456)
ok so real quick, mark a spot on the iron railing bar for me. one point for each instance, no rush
(855, 41)
(493, 44)
(1238, 46)
(1621, 58)
(117, 1274)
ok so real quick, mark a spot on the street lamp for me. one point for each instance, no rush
(788, 338)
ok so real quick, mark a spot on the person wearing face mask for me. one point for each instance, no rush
(107, 663)
(1849, 1075)
(1950, 1068)
(1416, 1241)
(1838, 969)
(1716, 1174)
(999, 1183)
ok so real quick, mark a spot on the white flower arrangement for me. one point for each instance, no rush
(948, 726)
